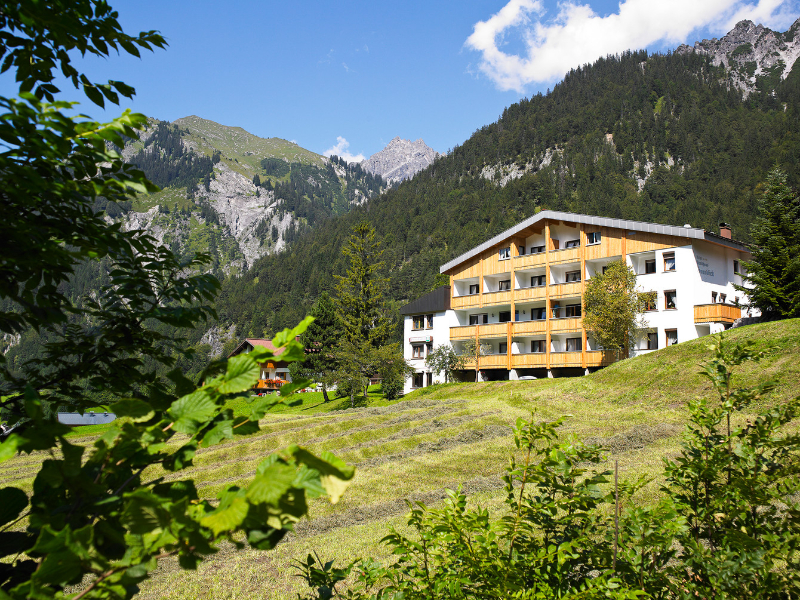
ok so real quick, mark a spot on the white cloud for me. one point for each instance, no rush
(340, 150)
(577, 35)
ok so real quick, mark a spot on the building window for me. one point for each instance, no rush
(521, 250)
(502, 348)
(537, 249)
(537, 281)
(416, 351)
(573, 276)
(573, 344)
(593, 237)
(505, 316)
(573, 310)
(516, 316)
(650, 266)
(652, 340)
(572, 243)
(736, 267)
(538, 314)
(429, 321)
(429, 378)
(722, 298)
(478, 319)
(713, 297)
(672, 336)
(505, 253)
(473, 289)
(556, 309)
(669, 261)
(428, 348)
(650, 299)
(537, 346)
(419, 322)
(670, 300)
(416, 381)
(504, 285)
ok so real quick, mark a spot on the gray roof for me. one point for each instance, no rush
(554, 215)
(436, 301)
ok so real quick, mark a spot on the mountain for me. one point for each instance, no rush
(235, 195)
(400, 159)
(659, 138)
(754, 56)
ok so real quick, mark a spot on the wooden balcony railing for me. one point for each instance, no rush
(530, 360)
(462, 302)
(494, 298)
(600, 358)
(464, 332)
(565, 359)
(561, 290)
(528, 327)
(530, 293)
(530, 260)
(269, 384)
(564, 255)
(716, 313)
(569, 324)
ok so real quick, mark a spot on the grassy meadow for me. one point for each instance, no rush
(442, 437)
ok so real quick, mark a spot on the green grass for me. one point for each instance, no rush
(443, 436)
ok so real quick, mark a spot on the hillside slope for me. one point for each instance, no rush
(446, 436)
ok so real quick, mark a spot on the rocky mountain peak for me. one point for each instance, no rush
(751, 52)
(400, 159)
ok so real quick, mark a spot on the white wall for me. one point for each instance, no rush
(442, 322)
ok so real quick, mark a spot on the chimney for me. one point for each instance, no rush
(725, 230)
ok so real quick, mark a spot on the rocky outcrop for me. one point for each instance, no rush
(750, 52)
(400, 159)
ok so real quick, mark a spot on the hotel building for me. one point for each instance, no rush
(520, 294)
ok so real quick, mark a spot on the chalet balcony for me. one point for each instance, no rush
(269, 385)
(563, 290)
(716, 313)
(529, 360)
(565, 324)
(462, 302)
(529, 327)
(530, 260)
(494, 298)
(530, 293)
(564, 255)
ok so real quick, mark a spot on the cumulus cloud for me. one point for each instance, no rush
(576, 35)
(340, 150)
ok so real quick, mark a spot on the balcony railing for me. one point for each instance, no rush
(503, 297)
(565, 359)
(716, 313)
(529, 360)
(530, 260)
(461, 302)
(561, 290)
(269, 384)
(488, 361)
(530, 293)
(565, 255)
(567, 324)
(463, 332)
(528, 327)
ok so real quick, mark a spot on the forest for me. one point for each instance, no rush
(589, 143)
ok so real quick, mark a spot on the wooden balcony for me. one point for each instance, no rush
(529, 360)
(530, 260)
(564, 290)
(493, 330)
(569, 324)
(462, 302)
(269, 385)
(489, 361)
(494, 298)
(565, 255)
(600, 358)
(530, 293)
(529, 327)
(565, 359)
(716, 313)
(464, 332)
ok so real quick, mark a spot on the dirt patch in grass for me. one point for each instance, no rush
(391, 508)
(637, 437)
(470, 436)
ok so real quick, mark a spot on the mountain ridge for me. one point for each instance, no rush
(400, 159)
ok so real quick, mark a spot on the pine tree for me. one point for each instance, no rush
(319, 341)
(360, 292)
(774, 272)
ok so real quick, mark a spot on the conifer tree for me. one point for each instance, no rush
(360, 299)
(320, 341)
(774, 272)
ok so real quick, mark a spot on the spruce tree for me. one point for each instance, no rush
(772, 278)
(319, 341)
(360, 292)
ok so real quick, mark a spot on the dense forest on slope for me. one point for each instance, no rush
(698, 150)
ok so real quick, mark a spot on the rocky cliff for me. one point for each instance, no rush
(752, 54)
(400, 159)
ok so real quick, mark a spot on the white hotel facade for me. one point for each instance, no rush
(520, 294)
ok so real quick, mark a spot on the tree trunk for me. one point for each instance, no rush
(325, 393)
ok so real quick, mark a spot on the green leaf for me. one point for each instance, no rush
(230, 513)
(289, 335)
(272, 483)
(143, 513)
(241, 374)
(12, 502)
(265, 539)
(335, 474)
(9, 446)
(221, 431)
(138, 410)
(298, 384)
(191, 411)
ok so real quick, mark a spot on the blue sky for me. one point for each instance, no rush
(351, 75)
